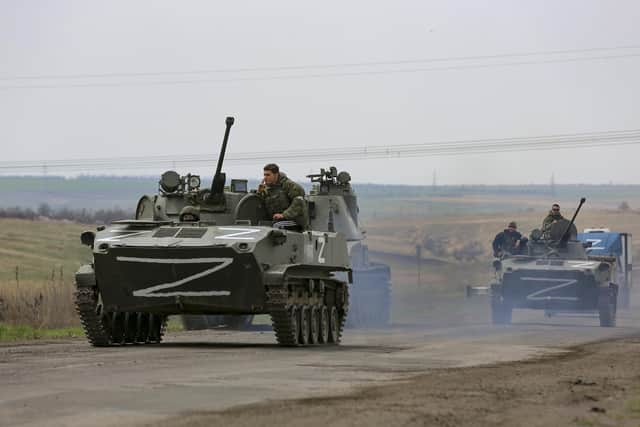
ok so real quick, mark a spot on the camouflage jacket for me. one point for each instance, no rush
(546, 223)
(286, 197)
(507, 241)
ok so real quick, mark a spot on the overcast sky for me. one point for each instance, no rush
(121, 113)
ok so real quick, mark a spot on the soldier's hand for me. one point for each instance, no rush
(278, 217)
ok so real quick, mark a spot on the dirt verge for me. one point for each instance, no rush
(592, 385)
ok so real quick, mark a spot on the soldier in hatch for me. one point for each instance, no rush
(283, 198)
(553, 217)
(509, 241)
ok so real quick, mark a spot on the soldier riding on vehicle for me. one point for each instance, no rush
(553, 217)
(283, 198)
(509, 241)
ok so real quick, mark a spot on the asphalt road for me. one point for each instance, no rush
(69, 383)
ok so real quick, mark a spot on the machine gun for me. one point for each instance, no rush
(216, 197)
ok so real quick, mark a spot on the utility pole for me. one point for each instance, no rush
(418, 261)
(553, 185)
(434, 181)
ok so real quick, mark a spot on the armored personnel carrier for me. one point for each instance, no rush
(333, 201)
(209, 251)
(333, 207)
(555, 274)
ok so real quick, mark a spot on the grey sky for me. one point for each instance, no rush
(44, 38)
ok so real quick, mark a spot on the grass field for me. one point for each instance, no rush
(39, 258)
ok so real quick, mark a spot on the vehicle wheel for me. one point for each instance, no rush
(156, 328)
(625, 297)
(314, 325)
(334, 326)
(142, 328)
(323, 321)
(130, 327)
(295, 324)
(607, 308)
(500, 311)
(117, 327)
(305, 326)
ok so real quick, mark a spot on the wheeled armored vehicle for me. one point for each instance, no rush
(211, 251)
(555, 274)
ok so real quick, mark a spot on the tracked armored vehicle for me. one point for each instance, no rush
(333, 207)
(211, 252)
(556, 275)
(333, 200)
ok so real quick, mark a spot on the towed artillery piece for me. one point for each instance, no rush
(211, 251)
(555, 275)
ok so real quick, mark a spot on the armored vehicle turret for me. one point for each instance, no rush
(555, 274)
(211, 251)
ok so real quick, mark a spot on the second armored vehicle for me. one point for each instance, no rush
(555, 275)
(333, 207)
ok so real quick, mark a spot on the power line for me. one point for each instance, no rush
(448, 148)
(318, 66)
(319, 75)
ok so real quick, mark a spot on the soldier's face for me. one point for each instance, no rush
(270, 178)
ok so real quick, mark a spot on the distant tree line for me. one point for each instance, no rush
(84, 216)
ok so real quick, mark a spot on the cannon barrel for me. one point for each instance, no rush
(575, 214)
(217, 185)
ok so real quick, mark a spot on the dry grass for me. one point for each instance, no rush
(38, 260)
(47, 304)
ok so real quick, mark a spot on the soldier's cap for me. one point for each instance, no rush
(512, 224)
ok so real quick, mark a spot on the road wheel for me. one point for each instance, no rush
(625, 297)
(607, 307)
(117, 327)
(314, 325)
(334, 326)
(295, 324)
(500, 311)
(305, 325)
(323, 324)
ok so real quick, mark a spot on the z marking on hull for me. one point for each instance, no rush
(581, 264)
(323, 242)
(124, 234)
(151, 291)
(536, 296)
(238, 233)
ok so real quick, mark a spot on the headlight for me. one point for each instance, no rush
(170, 181)
(194, 181)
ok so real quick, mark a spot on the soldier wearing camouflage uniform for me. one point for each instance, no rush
(554, 216)
(283, 198)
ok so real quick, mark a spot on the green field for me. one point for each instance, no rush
(39, 250)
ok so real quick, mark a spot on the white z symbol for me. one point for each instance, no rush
(322, 242)
(536, 296)
(239, 233)
(151, 291)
